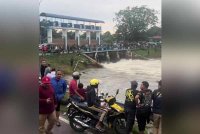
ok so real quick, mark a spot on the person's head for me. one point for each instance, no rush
(80, 85)
(159, 84)
(134, 84)
(94, 83)
(46, 82)
(48, 65)
(58, 74)
(43, 62)
(76, 75)
(53, 69)
(144, 85)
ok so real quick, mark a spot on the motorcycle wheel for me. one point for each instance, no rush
(75, 125)
(119, 125)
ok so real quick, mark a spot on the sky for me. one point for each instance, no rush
(96, 9)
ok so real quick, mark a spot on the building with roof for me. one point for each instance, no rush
(66, 23)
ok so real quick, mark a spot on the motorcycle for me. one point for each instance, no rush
(82, 118)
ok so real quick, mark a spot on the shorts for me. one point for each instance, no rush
(58, 106)
(157, 120)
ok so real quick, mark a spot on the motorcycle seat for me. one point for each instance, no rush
(81, 104)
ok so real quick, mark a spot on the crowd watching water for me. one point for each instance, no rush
(101, 47)
(143, 104)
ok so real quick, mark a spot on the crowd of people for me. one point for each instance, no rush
(51, 91)
(140, 104)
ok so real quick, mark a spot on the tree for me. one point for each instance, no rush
(132, 23)
(93, 36)
(83, 36)
(56, 33)
(154, 31)
(71, 35)
(107, 38)
(43, 31)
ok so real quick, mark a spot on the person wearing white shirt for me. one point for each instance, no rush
(52, 73)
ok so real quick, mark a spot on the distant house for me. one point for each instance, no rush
(155, 38)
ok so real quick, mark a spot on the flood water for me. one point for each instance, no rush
(118, 75)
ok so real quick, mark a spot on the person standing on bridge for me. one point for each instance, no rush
(130, 106)
(47, 104)
(60, 87)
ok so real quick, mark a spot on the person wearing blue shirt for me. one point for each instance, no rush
(60, 87)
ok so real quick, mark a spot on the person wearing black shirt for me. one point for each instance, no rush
(130, 106)
(42, 68)
(144, 100)
(93, 102)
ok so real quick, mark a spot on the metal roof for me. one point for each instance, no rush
(70, 18)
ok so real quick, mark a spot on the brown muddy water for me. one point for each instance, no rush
(118, 75)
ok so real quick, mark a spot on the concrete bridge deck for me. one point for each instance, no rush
(103, 51)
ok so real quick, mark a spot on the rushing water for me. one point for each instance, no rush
(118, 75)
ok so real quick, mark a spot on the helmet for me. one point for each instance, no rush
(75, 74)
(46, 80)
(94, 82)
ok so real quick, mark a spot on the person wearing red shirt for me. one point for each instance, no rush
(81, 90)
(73, 87)
(47, 103)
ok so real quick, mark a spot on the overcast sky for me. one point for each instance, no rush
(96, 9)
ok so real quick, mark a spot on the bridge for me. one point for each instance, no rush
(110, 54)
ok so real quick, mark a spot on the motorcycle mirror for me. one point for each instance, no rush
(106, 94)
(102, 94)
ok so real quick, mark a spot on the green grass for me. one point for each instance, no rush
(63, 107)
(62, 61)
(136, 131)
(153, 53)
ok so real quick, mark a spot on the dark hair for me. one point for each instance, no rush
(160, 83)
(76, 77)
(53, 69)
(59, 70)
(134, 84)
(80, 85)
(145, 83)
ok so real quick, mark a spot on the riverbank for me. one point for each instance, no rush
(64, 61)
(67, 62)
(151, 53)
